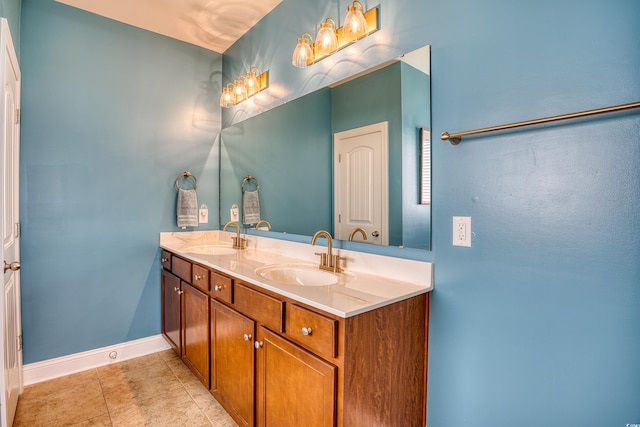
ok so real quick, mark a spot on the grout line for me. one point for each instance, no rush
(103, 397)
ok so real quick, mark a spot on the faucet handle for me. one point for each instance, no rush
(336, 263)
(323, 259)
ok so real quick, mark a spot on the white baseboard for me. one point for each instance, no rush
(61, 366)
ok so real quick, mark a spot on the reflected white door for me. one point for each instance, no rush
(361, 197)
(11, 324)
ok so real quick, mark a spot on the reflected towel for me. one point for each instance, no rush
(187, 208)
(250, 207)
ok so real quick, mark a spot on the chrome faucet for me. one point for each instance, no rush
(328, 261)
(265, 222)
(238, 242)
(357, 230)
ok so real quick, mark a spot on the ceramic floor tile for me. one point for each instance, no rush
(169, 409)
(70, 404)
(156, 390)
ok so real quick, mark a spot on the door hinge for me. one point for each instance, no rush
(339, 218)
(339, 158)
(18, 229)
(17, 116)
(20, 342)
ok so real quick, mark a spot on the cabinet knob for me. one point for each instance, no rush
(247, 337)
(165, 259)
(180, 292)
(306, 331)
(197, 277)
(258, 344)
(217, 288)
(176, 289)
(375, 233)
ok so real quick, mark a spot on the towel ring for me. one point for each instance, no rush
(187, 174)
(247, 179)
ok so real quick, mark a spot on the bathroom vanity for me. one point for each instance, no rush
(286, 349)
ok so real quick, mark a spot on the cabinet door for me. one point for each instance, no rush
(293, 387)
(171, 310)
(232, 353)
(195, 331)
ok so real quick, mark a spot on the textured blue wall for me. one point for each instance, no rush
(537, 323)
(108, 124)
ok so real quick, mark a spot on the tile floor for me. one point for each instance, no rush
(156, 390)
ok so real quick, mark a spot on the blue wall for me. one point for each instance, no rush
(108, 124)
(270, 147)
(537, 323)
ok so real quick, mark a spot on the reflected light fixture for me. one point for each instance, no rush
(244, 87)
(226, 100)
(358, 24)
(303, 53)
(327, 39)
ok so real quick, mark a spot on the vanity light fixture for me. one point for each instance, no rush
(303, 53)
(327, 39)
(244, 87)
(355, 24)
(358, 24)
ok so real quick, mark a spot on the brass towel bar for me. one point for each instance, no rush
(455, 138)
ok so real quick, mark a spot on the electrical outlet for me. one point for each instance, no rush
(462, 231)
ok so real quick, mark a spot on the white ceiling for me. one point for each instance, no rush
(212, 24)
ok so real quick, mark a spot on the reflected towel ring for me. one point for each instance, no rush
(247, 179)
(187, 174)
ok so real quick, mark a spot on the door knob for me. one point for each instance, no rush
(14, 266)
(375, 234)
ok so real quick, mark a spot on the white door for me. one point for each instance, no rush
(9, 200)
(361, 183)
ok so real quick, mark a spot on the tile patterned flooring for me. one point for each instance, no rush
(156, 390)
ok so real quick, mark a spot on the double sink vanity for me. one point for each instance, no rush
(279, 341)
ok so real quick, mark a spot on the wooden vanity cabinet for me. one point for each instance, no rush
(232, 362)
(274, 361)
(195, 332)
(171, 309)
(293, 386)
(185, 313)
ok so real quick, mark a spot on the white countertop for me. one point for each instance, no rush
(370, 281)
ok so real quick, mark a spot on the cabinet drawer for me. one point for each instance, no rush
(221, 287)
(260, 307)
(200, 278)
(181, 268)
(166, 260)
(314, 331)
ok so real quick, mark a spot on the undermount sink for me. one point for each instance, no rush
(210, 250)
(298, 274)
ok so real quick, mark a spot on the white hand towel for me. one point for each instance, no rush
(187, 208)
(250, 207)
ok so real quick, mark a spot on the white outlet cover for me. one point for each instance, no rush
(462, 231)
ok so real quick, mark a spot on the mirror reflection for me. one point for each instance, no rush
(341, 158)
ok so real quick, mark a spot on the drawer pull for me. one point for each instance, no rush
(218, 288)
(247, 337)
(197, 277)
(306, 331)
(258, 344)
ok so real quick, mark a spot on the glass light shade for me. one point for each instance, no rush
(251, 82)
(302, 53)
(326, 40)
(226, 99)
(355, 25)
(239, 91)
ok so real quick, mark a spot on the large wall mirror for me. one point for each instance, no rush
(289, 150)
